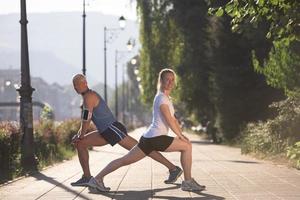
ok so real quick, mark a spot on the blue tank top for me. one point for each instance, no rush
(102, 115)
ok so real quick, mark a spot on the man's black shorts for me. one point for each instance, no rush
(114, 133)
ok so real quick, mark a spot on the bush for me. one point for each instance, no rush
(52, 142)
(293, 153)
(277, 135)
(9, 151)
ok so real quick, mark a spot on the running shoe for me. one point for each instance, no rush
(174, 175)
(83, 181)
(96, 184)
(192, 185)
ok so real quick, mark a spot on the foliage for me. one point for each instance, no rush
(238, 94)
(278, 21)
(9, 151)
(154, 47)
(47, 113)
(52, 142)
(275, 135)
(216, 80)
(282, 69)
(293, 153)
(282, 16)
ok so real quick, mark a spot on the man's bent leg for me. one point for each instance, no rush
(90, 139)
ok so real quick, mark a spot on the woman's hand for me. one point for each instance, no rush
(184, 138)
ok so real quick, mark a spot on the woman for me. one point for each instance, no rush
(156, 138)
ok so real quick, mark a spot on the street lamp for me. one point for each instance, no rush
(83, 38)
(122, 24)
(26, 123)
(133, 61)
(118, 55)
(130, 44)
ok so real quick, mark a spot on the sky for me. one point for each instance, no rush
(127, 8)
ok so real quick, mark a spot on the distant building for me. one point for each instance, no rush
(63, 100)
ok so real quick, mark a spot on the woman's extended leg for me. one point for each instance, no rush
(134, 155)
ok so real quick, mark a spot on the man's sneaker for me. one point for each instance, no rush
(83, 181)
(174, 175)
(99, 185)
(192, 185)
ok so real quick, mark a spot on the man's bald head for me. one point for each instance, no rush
(79, 83)
(79, 78)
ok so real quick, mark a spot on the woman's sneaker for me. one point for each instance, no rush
(99, 185)
(192, 185)
(174, 175)
(83, 181)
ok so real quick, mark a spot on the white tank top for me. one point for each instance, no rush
(159, 125)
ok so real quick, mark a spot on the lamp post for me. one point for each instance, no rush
(26, 123)
(123, 94)
(83, 39)
(122, 23)
(118, 56)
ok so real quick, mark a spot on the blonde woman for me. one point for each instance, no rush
(156, 138)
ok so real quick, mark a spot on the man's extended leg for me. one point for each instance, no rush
(90, 139)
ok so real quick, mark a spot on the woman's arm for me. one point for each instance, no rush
(172, 121)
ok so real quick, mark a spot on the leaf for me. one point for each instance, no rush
(260, 3)
(211, 11)
(274, 2)
(220, 12)
(228, 8)
(253, 20)
(234, 27)
(293, 156)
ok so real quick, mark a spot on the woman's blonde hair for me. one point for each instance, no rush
(162, 74)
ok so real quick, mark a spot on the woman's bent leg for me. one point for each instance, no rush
(186, 155)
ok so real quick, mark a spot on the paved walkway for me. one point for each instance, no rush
(226, 173)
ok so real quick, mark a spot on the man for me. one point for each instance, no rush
(109, 131)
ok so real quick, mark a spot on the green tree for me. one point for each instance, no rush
(216, 79)
(282, 16)
(280, 20)
(282, 69)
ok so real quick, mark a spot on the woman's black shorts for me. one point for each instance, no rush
(159, 143)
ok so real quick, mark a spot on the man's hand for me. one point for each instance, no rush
(76, 138)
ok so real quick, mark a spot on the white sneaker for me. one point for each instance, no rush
(99, 185)
(192, 185)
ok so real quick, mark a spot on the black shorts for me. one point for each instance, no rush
(159, 143)
(114, 133)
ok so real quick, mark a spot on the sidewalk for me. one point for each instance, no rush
(226, 173)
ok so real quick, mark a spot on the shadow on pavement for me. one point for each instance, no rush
(243, 161)
(202, 142)
(149, 194)
(40, 176)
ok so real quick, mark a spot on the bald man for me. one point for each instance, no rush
(109, 131)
